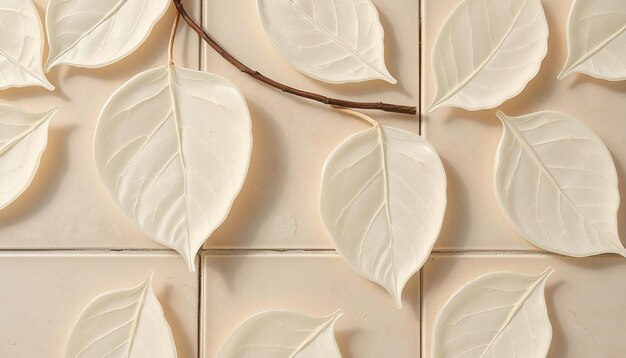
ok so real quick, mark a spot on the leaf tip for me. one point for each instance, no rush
(398, 300)
(191, 263)
(433, 106)
(49, 65)
(502, 116)
(149, 277)
(47, 85)
(51, 112)
(389, 78)
(336, 315)
(564, 73)
(547, 273)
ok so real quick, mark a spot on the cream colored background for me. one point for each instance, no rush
(292, 136)
(467, 141)
(65, 241)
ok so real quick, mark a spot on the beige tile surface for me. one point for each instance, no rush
(293, 137)
(67, 206)
(585, 298)
(235, 287)
(467, 141)
(44, 294)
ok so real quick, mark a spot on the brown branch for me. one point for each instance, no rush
(387, 107)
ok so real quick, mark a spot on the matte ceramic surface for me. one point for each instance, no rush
(584, 297)
(467, 141)
(332, 41)
(51, 290)
(66, 205)
(23, 138)
(21, 46)
(487, 51)
(283, 334)
(555, 182)
(123, 323)
(96, 33)
(293, 137)
(499, 314)
(382, 200)
(173, 147)
(236, 287)
(596, 39)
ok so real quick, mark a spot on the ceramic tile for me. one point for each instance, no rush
(235, 287)
(293, 137)
(67, 206)
(467, 141)
(585, 298)
(45, 293)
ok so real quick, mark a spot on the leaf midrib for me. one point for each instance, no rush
(385, 171)
(23, 68)
(531, 152)
(593, 51)
(518, 306)
(137, 314)
(339, 41)
(172, 83)
(333, 318)
(113, 10)
(475, 72)
(26, 132)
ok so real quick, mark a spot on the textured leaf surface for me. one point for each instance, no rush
(23, 138)
(382, 200)
(21, 45)
(126, 323)
(556, 183)
(96, 33)
(596, 39)
(487, 51)
(334, 41)
(173, 145)
(501, 314)
(278, 334)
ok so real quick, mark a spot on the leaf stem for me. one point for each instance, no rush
(364, 117)
(386, 107)
(170, 47)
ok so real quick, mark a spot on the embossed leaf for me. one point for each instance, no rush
(500, 314)
(556, 183)
(127, 323)
(336, 41)
(21, 45)
(173, 145)
(96, 33)
(487, 51)
(382, 200)
(596, 39)
(23, 138)
(283, 334)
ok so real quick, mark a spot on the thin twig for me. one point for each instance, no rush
(170, 47)
(387, 107)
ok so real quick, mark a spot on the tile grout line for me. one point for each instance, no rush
(199, 340)
(294, 251)
(200, 312)
(419, 67)
(201, 51)
(419, 126)
(421, 311)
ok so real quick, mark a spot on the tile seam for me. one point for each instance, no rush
(283, 251)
